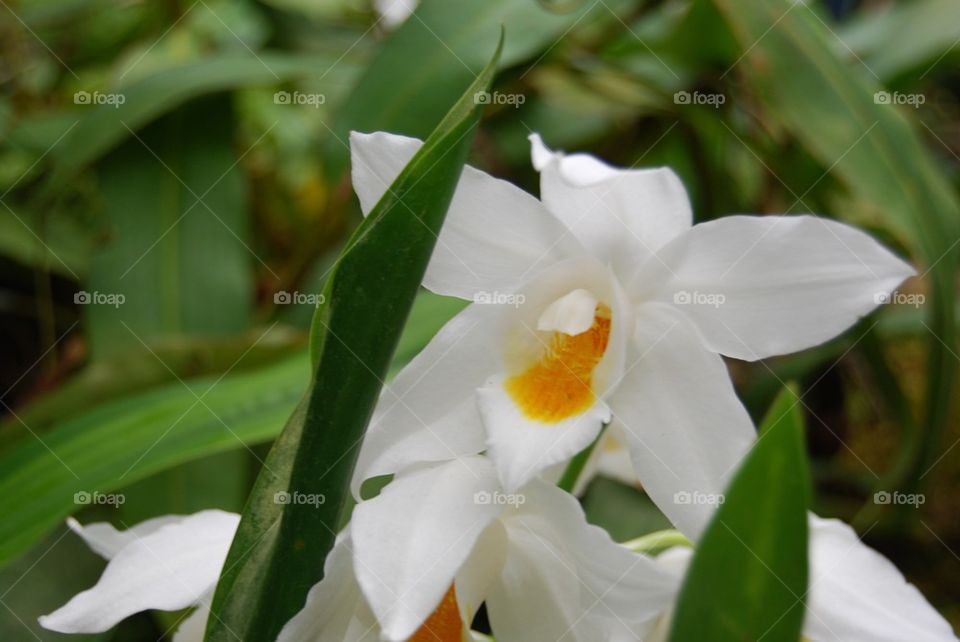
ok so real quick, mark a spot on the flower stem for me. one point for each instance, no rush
(658, 541)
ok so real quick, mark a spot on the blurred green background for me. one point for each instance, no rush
(174, 185)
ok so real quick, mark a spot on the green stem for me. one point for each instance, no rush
(658, 541)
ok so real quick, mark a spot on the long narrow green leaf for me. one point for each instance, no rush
(133, 437)
(748, 577)
(130, 439)
(280, 547)
(925, 33)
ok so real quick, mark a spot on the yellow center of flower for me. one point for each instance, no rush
(559, 385)
(444, 624)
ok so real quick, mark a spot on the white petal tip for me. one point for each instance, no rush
(540, 154)
(53, 622)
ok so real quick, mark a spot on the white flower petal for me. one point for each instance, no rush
(762, 286)
(686, 429)
(618, 582)
(107, 541)
(521, 444)
(169, 569)
(535, 598)
(610, 458)
(335, 610)
(429, 412)
(857, 595)
(619, 215)
(495, 234)
(570, 314)
(521, 447)
(411, 540)
(581, 584)
(481, 570)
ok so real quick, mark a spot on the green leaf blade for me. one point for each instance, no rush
(748, 578)
(279, 549)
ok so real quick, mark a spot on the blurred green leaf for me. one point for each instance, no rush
(902, 36)
(748, 577)
(174, 198)
(102, 127)
(132, 438)
(421, 67)
(148, 368)
(158, 259)
(832, 107)
(59, 243)
(37, 584)
(278, 552)
(126, 440)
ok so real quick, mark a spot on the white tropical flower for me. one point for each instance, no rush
(613, 306)
(854, 593)
(442, 539)
(167, 563)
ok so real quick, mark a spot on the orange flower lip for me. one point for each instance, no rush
(444, 624)
(560, 384)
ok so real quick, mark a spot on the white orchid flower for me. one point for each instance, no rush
(613, 307)
(854, 593)
(442, 539)
(167, 563)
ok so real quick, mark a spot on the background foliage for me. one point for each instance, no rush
(210, 205)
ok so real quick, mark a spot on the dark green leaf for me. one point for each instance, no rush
(279, 549)
(748, 578)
